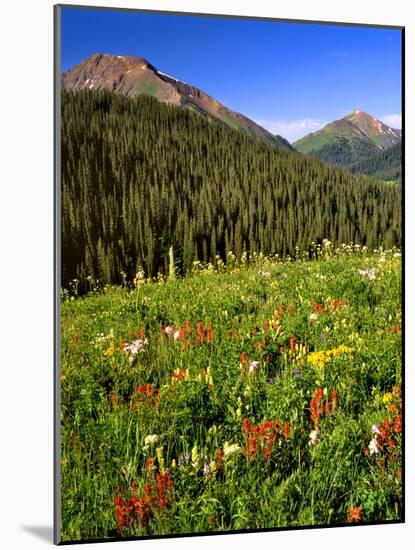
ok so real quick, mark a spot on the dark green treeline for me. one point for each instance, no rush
(361, 157)
(139, 176)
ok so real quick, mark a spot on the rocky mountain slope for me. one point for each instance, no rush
(132, 76)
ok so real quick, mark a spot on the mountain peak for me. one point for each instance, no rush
(358, 114)
(374, 128)
(131, 76)
(359, 132)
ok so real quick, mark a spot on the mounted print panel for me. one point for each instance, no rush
(228, 274)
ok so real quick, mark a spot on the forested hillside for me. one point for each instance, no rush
(385, 165)
(381, 164)
(139, 176)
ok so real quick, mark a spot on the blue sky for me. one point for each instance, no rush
(292, 78)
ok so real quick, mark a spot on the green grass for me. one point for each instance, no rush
(275, 313)
(314, 142)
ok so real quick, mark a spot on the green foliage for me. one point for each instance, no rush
(385, 165)
(139, 176)
(193, 381)
(361, 157)
(345, 151)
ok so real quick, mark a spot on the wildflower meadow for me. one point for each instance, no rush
(244, 395)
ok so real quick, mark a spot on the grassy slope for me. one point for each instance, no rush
(104, 425)
(315, 141)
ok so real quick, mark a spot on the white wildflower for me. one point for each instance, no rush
(375, 429)
(151, 439)
(101, 338)
(230, 449)
(136, 347)
(313, 437)
(253, 365)
(369, 273)
(374, 446)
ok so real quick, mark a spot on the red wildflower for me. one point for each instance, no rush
(114, 399)
(145, 394)
(219, 458)
(320, 405)
(319, 393)
(149, 466)
(262, 439)
(286, 430)
(398, 424)
(164, 484)
(333, 396)
(158, 497)
(261, 344)
(279, 312)
(355, 514)
(179, 334)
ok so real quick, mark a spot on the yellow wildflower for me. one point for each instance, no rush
(160, 458)
(387, 398)
(195, 457)
(321, 358)
(341, 349)
(109, 351)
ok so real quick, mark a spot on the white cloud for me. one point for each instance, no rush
(395, 121)
(294, 129)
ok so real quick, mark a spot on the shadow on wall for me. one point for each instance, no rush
(43, 532)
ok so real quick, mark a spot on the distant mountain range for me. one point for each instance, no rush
(359, 142)
(132, 76)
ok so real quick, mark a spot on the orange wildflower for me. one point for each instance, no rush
(355, 514)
